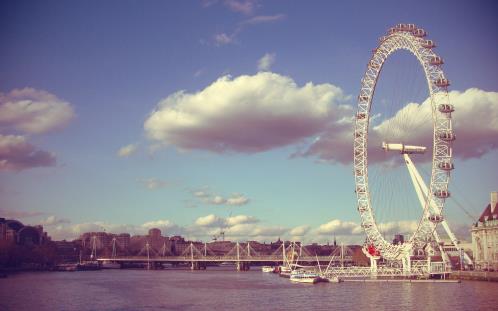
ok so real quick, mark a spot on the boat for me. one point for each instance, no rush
(267, 269)
(110, 265)
(300, 276)
(285, 271)
(333, 279)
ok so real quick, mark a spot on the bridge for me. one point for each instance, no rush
(242, 257)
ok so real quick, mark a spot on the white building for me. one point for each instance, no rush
(485, 236)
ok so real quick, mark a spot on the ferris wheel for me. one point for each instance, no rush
(431, 197)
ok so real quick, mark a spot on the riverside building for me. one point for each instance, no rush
(485, 237)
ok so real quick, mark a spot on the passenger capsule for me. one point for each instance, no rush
(446, 166)
(442, 82)
(436, 60)
(366, 226)
(446, 108)
(411, 27)
(373, 64)
(363, 98)
(447, 136)
(419, 33)
(361, 115)
(436, 218)
(428, 44)
(442, 194)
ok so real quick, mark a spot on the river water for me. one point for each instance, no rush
(218, 289)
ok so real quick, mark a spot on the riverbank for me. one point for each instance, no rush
(474, 276)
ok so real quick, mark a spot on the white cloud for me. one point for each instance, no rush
(299, 230)
(240, 219)
(265, 62)
(337, 226)
(127, 150)
(226, 38)
(33, 111)
(475, 124)
(17, 154)
(237, 199)
(245, 7)
(54, 220)
(223, 39)
(256, 113)
(210, 221)
(153, 183)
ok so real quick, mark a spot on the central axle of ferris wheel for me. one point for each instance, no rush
(403, 149)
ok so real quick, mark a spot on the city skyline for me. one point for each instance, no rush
(196, 117)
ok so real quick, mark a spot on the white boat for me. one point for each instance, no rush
(267, 269)
(285, 271)
(304, 277)
(333, 279)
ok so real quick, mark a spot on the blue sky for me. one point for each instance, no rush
(107, 65)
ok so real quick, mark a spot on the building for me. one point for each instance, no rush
(15, 232)
(398, 239)
(485, 236)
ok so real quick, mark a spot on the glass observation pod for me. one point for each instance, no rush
(436, 218)
(373, 64)
(446, 108)
(405, 27)
(442, 194)
(363, 98)
(442, 82)
(436, 60)
(361, 115)
(447, 136)
(411, 26)
(446, 166)
(383, 38)
(389, 32)
(428, 44)
(419, 33)
(360, 190)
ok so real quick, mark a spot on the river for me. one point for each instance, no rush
(225, 289)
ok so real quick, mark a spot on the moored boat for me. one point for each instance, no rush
(304, 277)
(267, 269)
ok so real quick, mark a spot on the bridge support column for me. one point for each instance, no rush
(373, 266)
(407, 265)
(243, 266)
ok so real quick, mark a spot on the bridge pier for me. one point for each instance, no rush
(196, 265)
(243, 266)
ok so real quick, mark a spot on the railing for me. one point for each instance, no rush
(274, 258)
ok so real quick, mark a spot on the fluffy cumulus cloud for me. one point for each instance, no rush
(29, 111)
(244, 114)
(339, 227)
(299, 231)
(33, 111)
(265, 62)
(54, 220)
(127, 150)
(206, 197)
(475, 123)
(17, 154)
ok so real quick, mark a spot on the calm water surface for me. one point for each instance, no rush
(216, 289)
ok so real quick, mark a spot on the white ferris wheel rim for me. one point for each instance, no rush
(410, 38)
